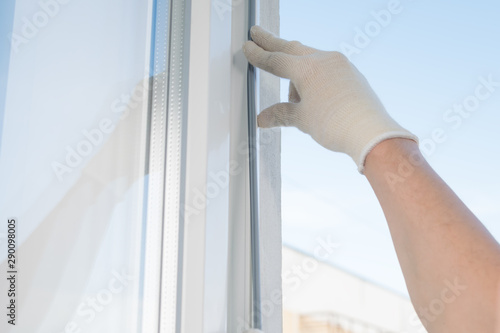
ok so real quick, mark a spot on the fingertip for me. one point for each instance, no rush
(247, 46)
(262, 37)
(256, 30)
(252, 52)
(262, 121)
(253, 30)
(267, 118)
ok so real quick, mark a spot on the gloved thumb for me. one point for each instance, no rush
(281, 114)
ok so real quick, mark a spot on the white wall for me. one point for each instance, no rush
(323, 288)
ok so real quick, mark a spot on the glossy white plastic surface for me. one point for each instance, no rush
(216, 254)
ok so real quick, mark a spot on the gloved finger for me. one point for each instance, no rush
(269, 42)
(293, 94)
(277, 63)
(281, 114)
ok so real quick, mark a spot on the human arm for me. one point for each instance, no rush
(442, 247)
(450, 262)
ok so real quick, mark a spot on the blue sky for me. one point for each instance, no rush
(429, 57)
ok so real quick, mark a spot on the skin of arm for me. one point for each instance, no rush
(450, 262)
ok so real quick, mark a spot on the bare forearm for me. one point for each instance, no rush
(450, 261)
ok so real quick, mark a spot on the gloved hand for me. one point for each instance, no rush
(328, 97)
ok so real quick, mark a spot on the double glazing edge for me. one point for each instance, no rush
(175, 167)
(166, 164)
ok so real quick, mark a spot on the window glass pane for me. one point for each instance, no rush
(73, 160)
(422, 59)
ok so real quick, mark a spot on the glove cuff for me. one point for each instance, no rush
(368, 147)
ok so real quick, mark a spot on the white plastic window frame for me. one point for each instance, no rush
(216, 275)
(198, 195)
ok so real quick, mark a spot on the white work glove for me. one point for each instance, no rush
(328, 98)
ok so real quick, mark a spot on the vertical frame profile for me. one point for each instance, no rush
(171, 271)
(163, 240)
(199, 125)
